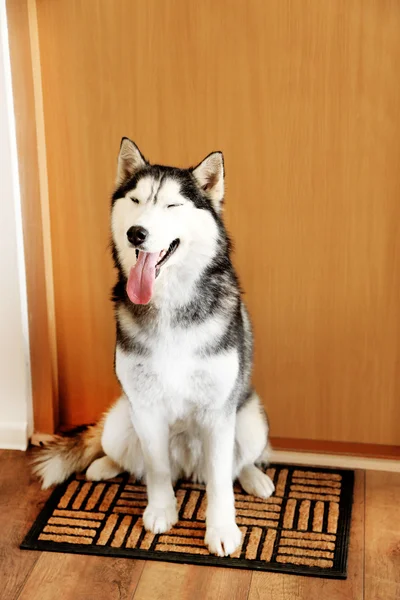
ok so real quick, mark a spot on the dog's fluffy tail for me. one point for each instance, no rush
(62, 455)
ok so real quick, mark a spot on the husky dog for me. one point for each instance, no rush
(183, 353)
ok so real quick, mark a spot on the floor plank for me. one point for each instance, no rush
(274, 586)
(82, 577)
(20, 500)
(382, 536)
(191, 582)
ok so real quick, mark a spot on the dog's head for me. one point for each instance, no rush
(163, 218)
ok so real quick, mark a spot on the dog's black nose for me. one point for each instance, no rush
(137, 235)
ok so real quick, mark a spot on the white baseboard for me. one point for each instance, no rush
(334, 460)
(13, 436)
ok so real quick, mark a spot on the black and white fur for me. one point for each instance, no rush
(184, 360)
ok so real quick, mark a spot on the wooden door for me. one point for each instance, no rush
(303, 97)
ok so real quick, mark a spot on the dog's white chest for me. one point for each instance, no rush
(175, 375)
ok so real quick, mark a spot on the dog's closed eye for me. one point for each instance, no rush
(173, 205)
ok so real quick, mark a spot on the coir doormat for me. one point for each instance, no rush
(302, 529)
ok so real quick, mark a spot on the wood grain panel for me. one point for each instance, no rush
(303, 98)
(36, 231)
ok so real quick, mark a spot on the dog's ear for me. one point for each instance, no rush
(209, 175)
(130, 161)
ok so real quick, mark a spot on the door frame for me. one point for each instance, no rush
(31, 149)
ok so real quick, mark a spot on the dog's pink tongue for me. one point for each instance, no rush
(141, 278)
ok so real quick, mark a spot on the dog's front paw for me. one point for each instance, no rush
(160, 520)
(223, 540)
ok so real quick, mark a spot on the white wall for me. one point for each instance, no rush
(15, 382)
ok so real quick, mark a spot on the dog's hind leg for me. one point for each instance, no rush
(103, 468)
(255, 482)
(120, 444)
(251, 446)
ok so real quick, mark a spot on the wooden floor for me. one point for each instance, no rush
(374, 562)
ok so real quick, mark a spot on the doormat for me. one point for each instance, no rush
(303, 529)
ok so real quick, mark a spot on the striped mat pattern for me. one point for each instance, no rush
(302, 529)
